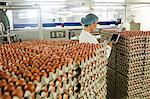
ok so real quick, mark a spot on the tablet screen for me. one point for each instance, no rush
(115, 37)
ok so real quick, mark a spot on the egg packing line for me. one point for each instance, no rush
(128, 66)
(42, 69)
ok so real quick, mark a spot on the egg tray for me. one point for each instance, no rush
(137, 93)
(91, 79)
(111, 64)
(43, 79)
(57, 87)
(110, 85)
(97, 93)
(60, 82)
(129, 72)
(93, 82)
(111, 74)
(128, 53)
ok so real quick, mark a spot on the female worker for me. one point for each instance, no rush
(90, 22)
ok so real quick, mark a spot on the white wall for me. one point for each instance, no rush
(142, 15)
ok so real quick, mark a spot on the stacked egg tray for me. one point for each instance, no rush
(93, 77)
(42, 69)
(128, 66)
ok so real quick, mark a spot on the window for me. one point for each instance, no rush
(25, 19)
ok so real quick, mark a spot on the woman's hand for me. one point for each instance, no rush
(110, 44)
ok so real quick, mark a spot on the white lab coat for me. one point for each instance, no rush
(86, 37)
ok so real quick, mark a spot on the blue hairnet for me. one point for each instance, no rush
(89, 19)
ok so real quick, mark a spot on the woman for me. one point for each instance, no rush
(90, 22)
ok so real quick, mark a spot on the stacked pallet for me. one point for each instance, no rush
(128, 63)
(49, 69)
(93, 77)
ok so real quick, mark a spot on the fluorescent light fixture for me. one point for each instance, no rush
(79, 8)
(139, 7)
(107, 1)
(46, 7)
(45, 0)
(116, 7)
(109, 7)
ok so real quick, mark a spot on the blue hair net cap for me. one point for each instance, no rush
(89, 19)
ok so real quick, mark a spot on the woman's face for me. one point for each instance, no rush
(93, 26)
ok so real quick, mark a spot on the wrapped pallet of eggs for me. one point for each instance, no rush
(49, 69)
(131, 65)
(111, 73)
(93, 76)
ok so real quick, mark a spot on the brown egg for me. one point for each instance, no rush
(23, 66)
(43, 67)
(27, 74)
(21, 71)
(57, 66)
(6, 67)
(6, 96)
(35, 77)
(18, 92)
(12, 79)
(5, 76)
(50, 69)
(10, 87)
(20, 82)
(35, 70)
(35, 65)
(13, 69)
(1, 93)
(28, 68)
(30, 87)
(70, 60)
(43, 73)
(3, 83)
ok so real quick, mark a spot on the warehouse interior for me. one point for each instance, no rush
(41, 56)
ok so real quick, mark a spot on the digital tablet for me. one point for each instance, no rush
(114, 37)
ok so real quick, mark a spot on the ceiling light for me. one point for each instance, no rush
(109, 1)
(45, 0)
(112, 7)
(79, 8)
(47, 7)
